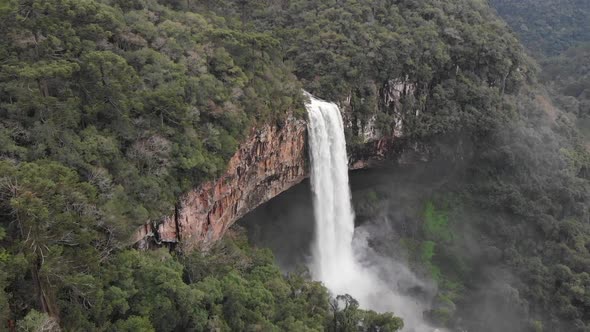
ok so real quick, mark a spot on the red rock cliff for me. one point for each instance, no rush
(270, 161)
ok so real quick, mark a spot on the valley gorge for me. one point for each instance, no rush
(158, 171)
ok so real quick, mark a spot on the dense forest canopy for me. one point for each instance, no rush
(567, 77)
(111, 109)
(557, 32)
(547, 27)
(453, 59)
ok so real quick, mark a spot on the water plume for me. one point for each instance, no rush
(337, 257)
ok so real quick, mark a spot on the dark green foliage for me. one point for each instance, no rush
(232, 288)
(568, 77)
(110, 109)
(245, 289)
(521, 222)
(502, 225)
(347, 317)
(142, 97)
(536, 184)
(556, 32)
(535, 191)
(147, 99)
(61, 231)
(547, 27)
(435, 67)
(532, 181)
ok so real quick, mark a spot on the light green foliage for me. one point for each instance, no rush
(35, 321)
(537, 326)
(6, 6)
(438, 234)
(244, 289)
(435, 254)
(436, 224)
(386, 322)
(150, 285)
(577, 159)
(427, 252)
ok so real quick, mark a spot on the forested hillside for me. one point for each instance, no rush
(567, 78)
(451, 62)
(557, 33)
(110, 109)
(547, 27)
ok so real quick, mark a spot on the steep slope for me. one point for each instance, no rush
(547, 27)
(567, 78)
(557, 33)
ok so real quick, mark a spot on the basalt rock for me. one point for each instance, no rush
(273, 159)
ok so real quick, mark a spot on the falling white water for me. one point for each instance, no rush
(333, 255)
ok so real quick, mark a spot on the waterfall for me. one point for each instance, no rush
(335, 259)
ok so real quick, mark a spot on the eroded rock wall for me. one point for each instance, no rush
(270, 161)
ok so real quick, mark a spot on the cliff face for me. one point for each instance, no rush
(269, 162)
(272, 160)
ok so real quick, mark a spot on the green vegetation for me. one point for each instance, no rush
(547, 27)
(536, 199)
(142, 100)
(501, 224)
(436, 236)
(505, 238)
(110, 109)
(449, 62)
(233, 288)
(521, 229)
(436, 224)
(567, 77)
(536, 215)
(557, 32)
(437, 257)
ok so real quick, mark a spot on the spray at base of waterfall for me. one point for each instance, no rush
(341, 259)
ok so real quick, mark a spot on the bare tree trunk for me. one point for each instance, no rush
(46, 303)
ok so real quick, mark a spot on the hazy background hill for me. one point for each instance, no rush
(557, 34)
(547, 27)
